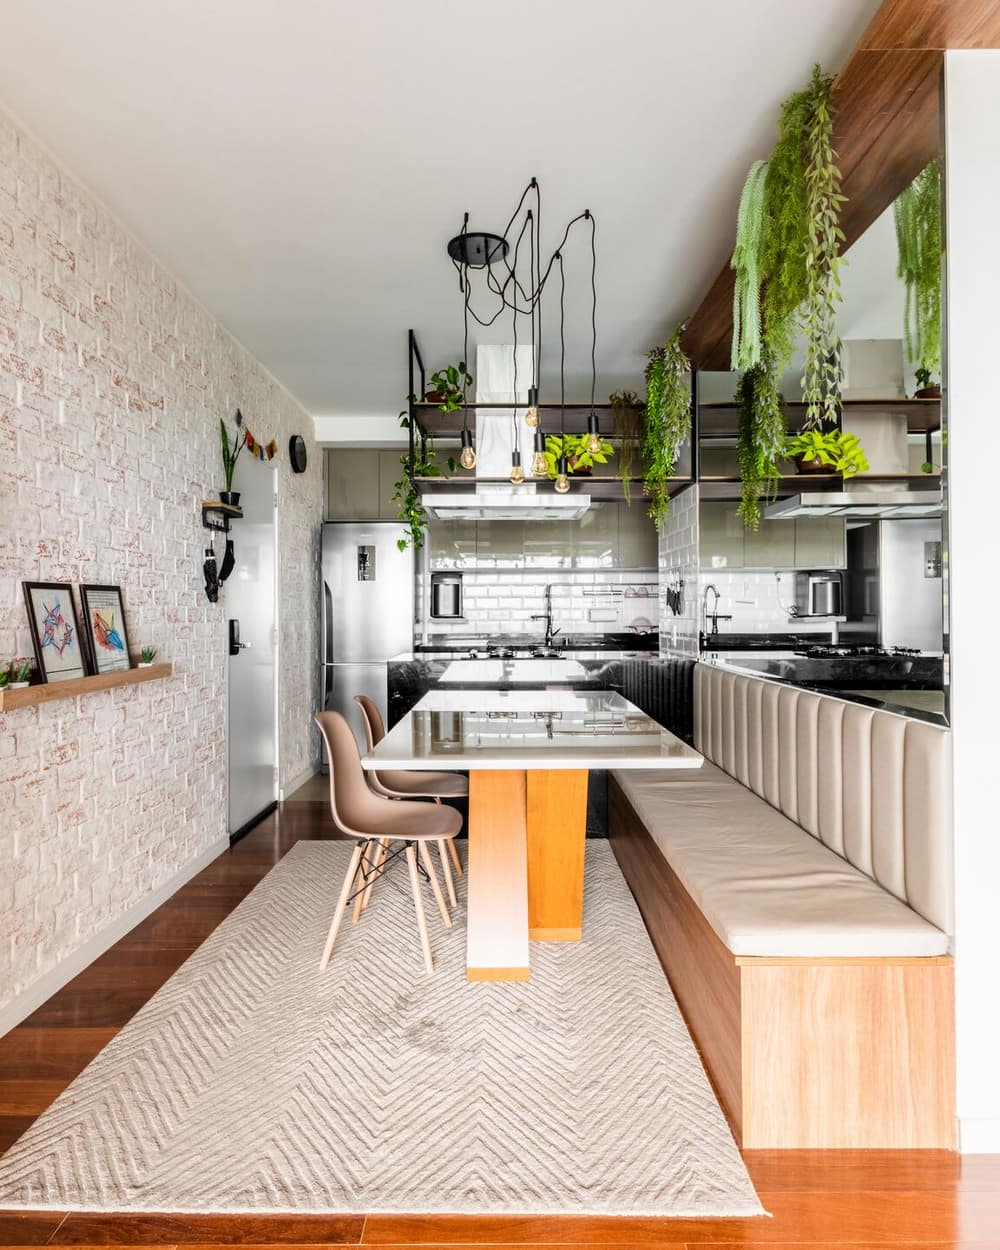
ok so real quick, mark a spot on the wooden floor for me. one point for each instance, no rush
(925, 1200)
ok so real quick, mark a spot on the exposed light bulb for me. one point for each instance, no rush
(516, 472)
(593, 435)
(562, 477)
(540, 464)
(467, 458)
(531, 416)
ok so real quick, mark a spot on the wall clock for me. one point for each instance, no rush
(297, 453)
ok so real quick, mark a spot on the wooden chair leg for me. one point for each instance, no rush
(380, 854)
(368, 856)
(418, 906)
(428, 863)
(449, 881)
(345, 894)
(452, 848)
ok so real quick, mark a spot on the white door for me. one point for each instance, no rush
(251, 609)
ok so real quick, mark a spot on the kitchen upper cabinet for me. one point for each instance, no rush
(805, 543)
(637, 543)
(720, 540)
(820, 543)
(360, 483)
(594, 537)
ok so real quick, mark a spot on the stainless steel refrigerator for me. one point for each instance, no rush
(367, 612)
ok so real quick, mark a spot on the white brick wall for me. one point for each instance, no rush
(757, 600)
(112, 382)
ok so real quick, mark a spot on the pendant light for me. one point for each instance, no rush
(540, 464)
(562, 469)
(516, 471)
(467, 456)
(593, 425)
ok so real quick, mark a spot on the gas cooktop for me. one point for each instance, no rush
(832, 651)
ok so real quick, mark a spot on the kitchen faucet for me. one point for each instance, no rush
(546, 616)
(714, 616)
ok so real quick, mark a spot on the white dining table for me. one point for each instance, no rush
(528, 754)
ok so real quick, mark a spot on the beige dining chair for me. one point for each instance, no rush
(414, 784)
(376, 823)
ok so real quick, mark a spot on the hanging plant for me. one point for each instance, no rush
(668, 421)
(760, 440)
(821, 381)
(745, 261)
(627, 413)
(917, 212)
(411, 510)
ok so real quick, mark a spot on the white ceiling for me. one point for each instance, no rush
(300, 165)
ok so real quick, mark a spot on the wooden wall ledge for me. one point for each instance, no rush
(48, 691)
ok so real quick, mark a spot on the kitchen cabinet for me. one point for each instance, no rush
(805, 543)
(360, 483)
(637, 544)
(820, 542)
(721, 536)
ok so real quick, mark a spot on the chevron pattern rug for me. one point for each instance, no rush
(251, 1082)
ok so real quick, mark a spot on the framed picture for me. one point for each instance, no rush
(55, 630)
(104, 628)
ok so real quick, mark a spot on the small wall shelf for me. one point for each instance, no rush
(216, 516)
(49, 691)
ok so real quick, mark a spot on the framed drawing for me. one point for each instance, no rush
(55, 631)
(104, 628)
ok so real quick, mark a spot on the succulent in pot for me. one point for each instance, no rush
(146, 657)
(18, 673)
(926, 389)
(826, 451)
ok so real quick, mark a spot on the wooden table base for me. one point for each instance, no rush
(527, 839)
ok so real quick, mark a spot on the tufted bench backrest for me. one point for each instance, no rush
(872, 786)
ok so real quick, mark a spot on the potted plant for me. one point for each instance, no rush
(826, 451)
(449, 387)
(18, 673)
(230, 454)
(579, 459)
(146, 657)
(927, 388)
(917, 214)
(668, 421)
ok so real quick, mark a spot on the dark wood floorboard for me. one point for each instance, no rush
(865, 1200)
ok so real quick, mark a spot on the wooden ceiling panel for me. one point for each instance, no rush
(937, 24)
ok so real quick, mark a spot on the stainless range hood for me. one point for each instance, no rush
(513, 505)
(872, 503)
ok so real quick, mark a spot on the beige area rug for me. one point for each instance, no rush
(253, 1083)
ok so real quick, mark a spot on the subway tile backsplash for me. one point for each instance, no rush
(602, 570)
(758, 600)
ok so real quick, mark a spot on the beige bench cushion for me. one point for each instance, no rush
(765, 885)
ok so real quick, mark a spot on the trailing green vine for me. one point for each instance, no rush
(627, 412)
(746, 262)
(917, 213)
(760, 439)
(668, 421)
(821, 380)
(411, 510)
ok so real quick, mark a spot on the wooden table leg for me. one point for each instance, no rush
(497, 947)
(557, 843)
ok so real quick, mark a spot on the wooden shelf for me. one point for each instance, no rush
(923, 416)
(49, 691)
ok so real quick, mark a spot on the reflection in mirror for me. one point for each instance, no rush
(883, 550)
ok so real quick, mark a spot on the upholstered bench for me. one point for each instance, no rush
(798, 889)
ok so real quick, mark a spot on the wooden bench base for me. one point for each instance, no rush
(803, 1053)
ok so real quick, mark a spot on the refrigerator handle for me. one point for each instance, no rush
(327, 643)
